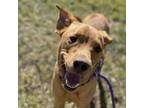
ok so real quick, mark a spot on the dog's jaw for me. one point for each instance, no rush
(71, 81)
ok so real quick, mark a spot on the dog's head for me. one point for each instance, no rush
(81, 47)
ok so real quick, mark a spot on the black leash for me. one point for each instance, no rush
(98, 70)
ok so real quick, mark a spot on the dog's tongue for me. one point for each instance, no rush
(72, 79)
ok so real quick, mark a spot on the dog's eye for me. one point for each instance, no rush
(72, 39)
(97, 49)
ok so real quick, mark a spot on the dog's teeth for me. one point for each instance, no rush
(70, 85)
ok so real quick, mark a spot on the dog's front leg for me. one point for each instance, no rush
(83, 106)
(59, 99)
(59, 103)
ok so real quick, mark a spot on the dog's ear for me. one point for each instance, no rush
(105, 38)
(64, 20)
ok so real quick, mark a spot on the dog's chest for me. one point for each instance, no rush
(72, 97)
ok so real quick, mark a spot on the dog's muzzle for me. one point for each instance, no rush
(70, 80)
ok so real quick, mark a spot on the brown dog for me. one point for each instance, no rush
(81, 47)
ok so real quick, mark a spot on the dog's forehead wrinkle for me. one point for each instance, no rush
(81, 29)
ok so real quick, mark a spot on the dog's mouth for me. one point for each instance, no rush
(72, 81)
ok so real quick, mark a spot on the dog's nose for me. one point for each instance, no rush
(80, 66)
